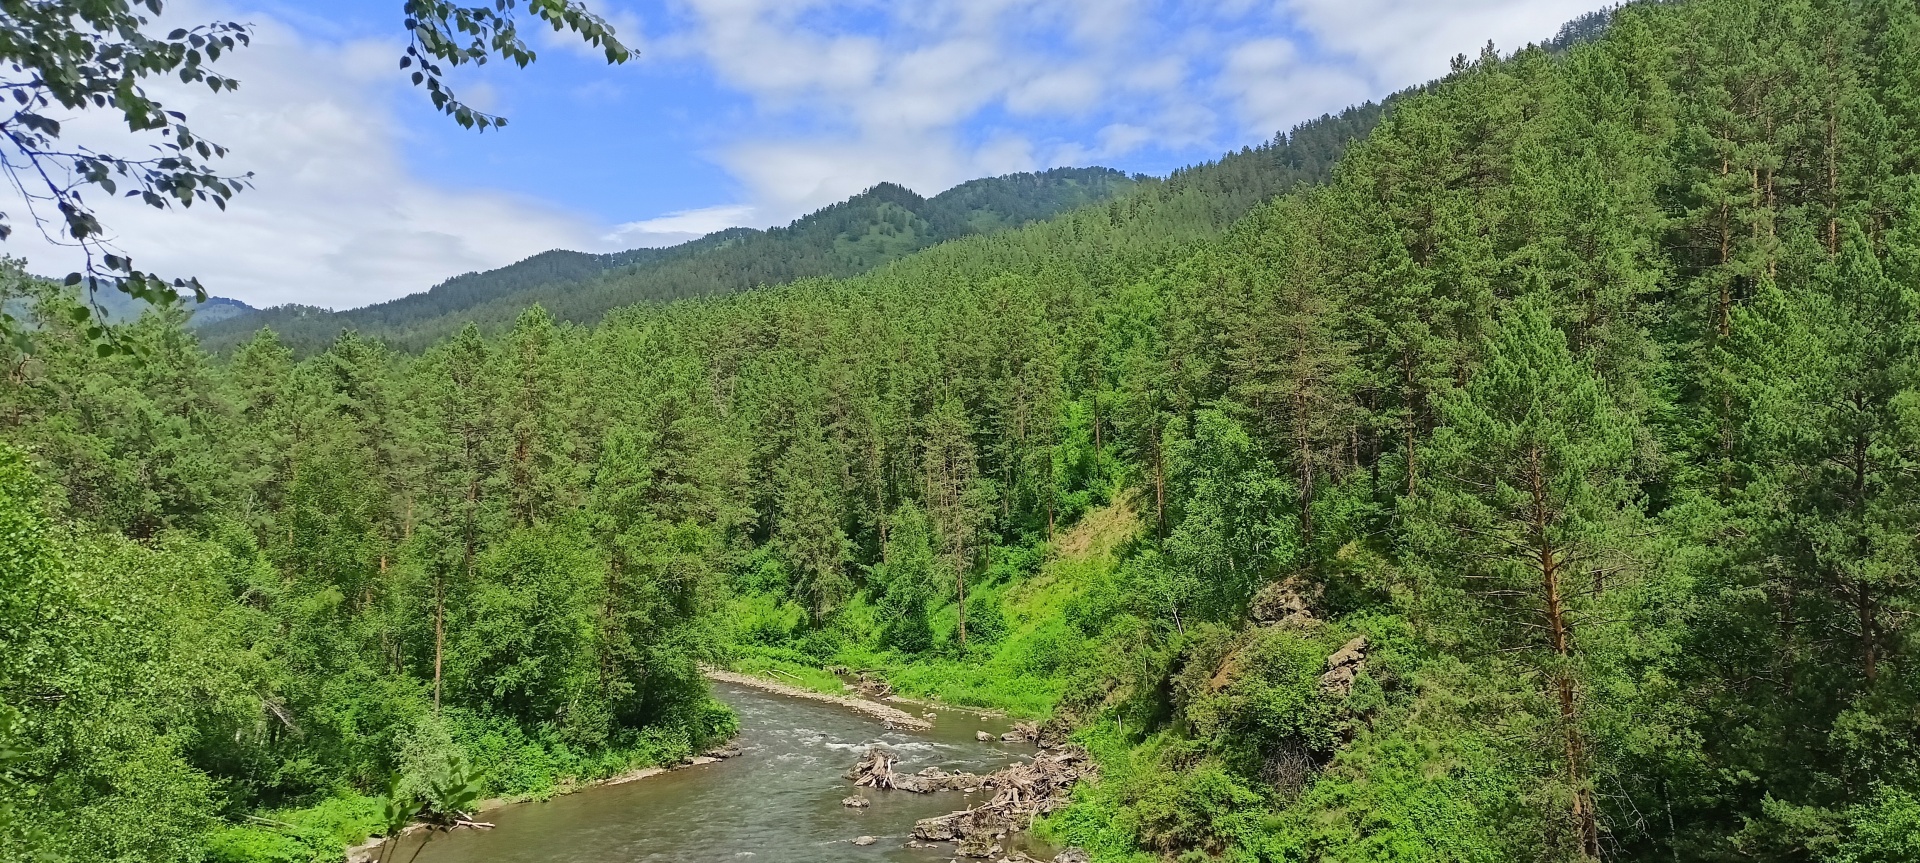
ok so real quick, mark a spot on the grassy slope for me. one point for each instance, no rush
(1024, 673)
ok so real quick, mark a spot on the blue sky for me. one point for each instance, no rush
(736, 112)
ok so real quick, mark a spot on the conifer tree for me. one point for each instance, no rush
(1524, 516)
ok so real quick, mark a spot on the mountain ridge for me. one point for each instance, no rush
(883, 223)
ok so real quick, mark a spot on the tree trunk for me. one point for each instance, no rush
(1560, 635)
(439, 636)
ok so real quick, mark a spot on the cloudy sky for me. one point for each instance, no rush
(737, 112)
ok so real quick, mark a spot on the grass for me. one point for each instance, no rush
(1024, 672)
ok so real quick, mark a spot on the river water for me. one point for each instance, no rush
(777, 801)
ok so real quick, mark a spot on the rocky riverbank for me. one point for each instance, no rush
(1022, 793)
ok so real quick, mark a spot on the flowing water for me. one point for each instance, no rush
(777, 801)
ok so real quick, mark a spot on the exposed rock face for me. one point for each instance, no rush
(1288, 602)
(1343, 666)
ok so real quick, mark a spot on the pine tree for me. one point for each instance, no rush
(1523, 517)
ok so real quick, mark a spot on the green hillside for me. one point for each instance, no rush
(879, 225)
(1527, 470)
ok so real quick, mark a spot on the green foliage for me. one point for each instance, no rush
(880, 225)
(1586, 389)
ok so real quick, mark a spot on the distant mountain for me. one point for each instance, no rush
(120, 308)
(877, 226)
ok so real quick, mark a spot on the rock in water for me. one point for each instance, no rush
(1020, 792)
(983, 737)
(935, 829)
(978, 847)
(856, 802)
(1023, 732)
(865, 840)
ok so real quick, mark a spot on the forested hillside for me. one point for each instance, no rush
(879, 225)
(1543, 485)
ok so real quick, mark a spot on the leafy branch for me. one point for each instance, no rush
(442, 32)
(79, 55)
(75, 55)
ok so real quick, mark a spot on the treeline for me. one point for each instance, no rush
(879, 225)
(1587, 390)
(504, 551)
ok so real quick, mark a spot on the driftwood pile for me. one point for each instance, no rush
(875, 770)
(1021, 792)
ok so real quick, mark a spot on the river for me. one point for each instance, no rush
(779, 800)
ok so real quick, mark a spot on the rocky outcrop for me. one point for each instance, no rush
(1343, 667)
(1287, 602)
(1073, 855)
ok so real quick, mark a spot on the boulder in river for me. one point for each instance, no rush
(865, 841)
(978, 847)
(855, 802)
(731, 750)
(1023, 732)
(983, 737)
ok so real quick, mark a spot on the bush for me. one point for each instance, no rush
(312, 835)
(986, 623)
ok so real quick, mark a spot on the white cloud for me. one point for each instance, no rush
(1396, 43)
(681, 226)
(1273, 90)
(336, 219)
(1071, 92)
(843, 94)
(856, 92)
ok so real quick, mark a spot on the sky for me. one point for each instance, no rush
(734, 112)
